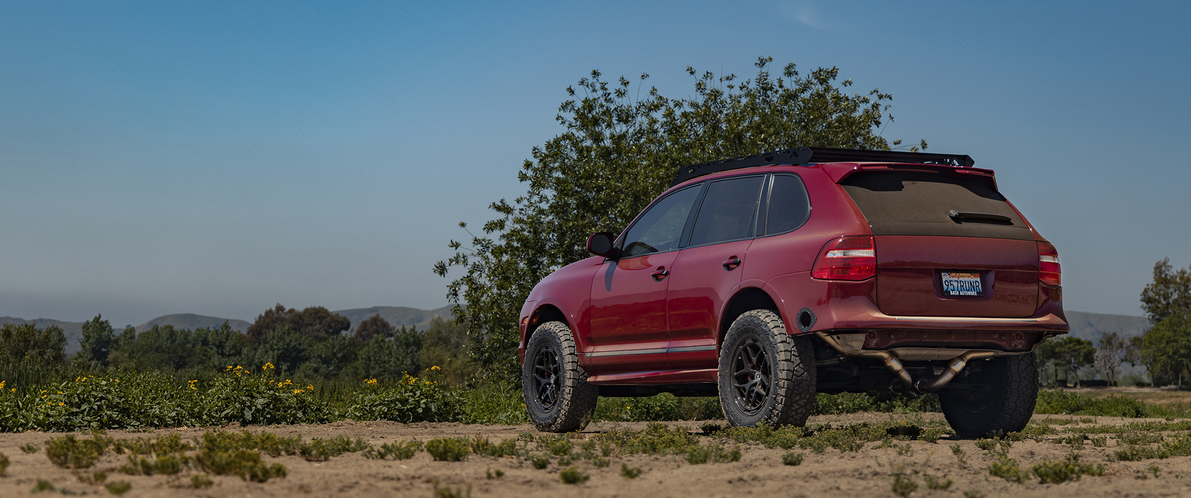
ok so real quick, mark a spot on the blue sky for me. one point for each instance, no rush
(221, 157)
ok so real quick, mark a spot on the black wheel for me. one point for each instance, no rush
(765, 374)
(557, 395)
(992, 396)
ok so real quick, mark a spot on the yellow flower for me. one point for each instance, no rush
(61, 404)
(298, 391)
(229, 367)
(310, 387)
(267, 366)
(435, 368)
(59, 392)
(2, 384)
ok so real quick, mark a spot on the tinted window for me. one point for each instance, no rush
(788, 204)
(660, 227)
(919, 203)
(728, 211)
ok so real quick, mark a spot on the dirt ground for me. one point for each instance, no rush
(760, 472)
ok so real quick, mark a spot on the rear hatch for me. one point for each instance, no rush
(946, 244)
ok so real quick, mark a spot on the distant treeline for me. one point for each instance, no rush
(309, 344)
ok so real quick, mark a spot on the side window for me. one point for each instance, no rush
(789, 206)
(728, 212)
(659, 229)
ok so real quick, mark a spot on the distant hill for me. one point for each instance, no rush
(1091, 326)
(191, 321)
(397, 315)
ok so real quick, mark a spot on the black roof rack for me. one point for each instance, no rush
(807, 155)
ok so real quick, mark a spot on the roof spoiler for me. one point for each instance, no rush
(806, 155)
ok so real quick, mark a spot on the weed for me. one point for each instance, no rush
(904, 450)
(540, 461)
(785, 437)
(200, 481)
(447, 492)
(320, 450)
(30, 448)
(1007, 468)
(903, 486)
(600, 462)
(933, 483)
(42, 485)
(792, 459)
(494, 475)
(245, 463)
(932, 433)
(986, 444)
(1074, 440)
(959, 454)
(1066, 470)
(164, 464)
(399, 451)
(1136, 438)
(558, 445)
(1176, 446)
(1155, 470)
(971, 493)
(629, 472)
(118, 487)
(70, 452)
(1100, 441)
(572, 475)
(481, 446)
(655, 439)
(3, 465)
(93, 478)
(448, 449)
(712, 452)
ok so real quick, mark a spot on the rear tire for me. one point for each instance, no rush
(765, 375)
(557, 395)
(993, 396)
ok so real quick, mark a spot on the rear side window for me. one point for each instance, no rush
(728, 211)
(788, 205)
(660, 227)
(923, 203)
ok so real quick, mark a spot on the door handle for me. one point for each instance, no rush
(731, 263)
(660, 273)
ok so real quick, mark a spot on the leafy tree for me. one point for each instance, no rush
(1168, 294)
(26, 344)
(1168, 344)
(1110, 353)
(97, 341)
(314, 322)
(445, 345)
(373, 326)
(619, 150)
(286, 349)
(1068, 354)
(330, 358)
(388, 358)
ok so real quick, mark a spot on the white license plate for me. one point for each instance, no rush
(962, 283)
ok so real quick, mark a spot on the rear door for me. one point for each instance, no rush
(708, 268)
(947, 245)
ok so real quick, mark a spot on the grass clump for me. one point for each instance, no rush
(481, 446)
(1065, 470)
(792, 459)
(1136, 438)
(629, 472)
(572, 475)
(448, 449)
(74, 453)
(712, 452)
(398, 451)
(245, 463)
(321, 450)
(168, 464)
(903, 485)
(540, 461)
(3, 465)
(118, 487)
(1068, 403)
(655, 439)
(200, 481)
(30, 448)
(42, 485)
(557, 445)
(1173, 447)
(1007, 468)
(959, 454)
(934, 483)
(93, 478)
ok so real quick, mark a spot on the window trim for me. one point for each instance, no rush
(698, 200)
(689, 230)
(769, 198)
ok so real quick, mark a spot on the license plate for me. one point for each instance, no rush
(962, 283)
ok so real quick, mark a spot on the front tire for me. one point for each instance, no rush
(993, 396)
(557, 395)
(765, 375)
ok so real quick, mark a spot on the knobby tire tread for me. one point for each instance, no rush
(794, 382)
(578, 398)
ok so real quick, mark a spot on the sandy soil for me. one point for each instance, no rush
(760, 471)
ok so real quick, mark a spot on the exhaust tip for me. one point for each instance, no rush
(805, 319)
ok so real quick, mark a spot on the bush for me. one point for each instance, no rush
(409, 400)
(448, 449)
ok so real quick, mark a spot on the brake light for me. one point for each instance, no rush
(1049, 271)
(846, 258)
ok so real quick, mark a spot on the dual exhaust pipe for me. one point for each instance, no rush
(853, 345)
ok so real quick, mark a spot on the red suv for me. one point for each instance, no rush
(768, 278)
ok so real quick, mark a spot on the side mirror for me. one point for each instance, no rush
(600, 244)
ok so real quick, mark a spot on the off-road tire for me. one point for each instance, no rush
(993, 396)
(557, 395)
(783, 390)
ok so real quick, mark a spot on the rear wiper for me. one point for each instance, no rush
(960, 217)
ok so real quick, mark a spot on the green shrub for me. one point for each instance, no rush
(30, 448)
(712, 452)
(118, 487)
(792, 459)
(1065, 470)
(481, 446)
(42, 485)
(933, 483)
(399, 451)
(540, 461)
(447, 449)
(1007, 468)
(200, 481)
(662, 407)
(655, 439)
(319, 450)
(572, 475)
(3, 465)
(903, 486)
(409, 400)
(70, 452)
(629, 472)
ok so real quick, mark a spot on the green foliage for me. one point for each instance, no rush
(539, 461)
(321, 450)
(410, 399)
(629, 472)
(314, 322)
(934, 483)
(1065, 470)
(96, 343)
(399, 451)
(1007, 468)
(448, 449)
(712, 452)
(958, 451)
(200, 481)
(496, 402)
(373, 326)
(1168, 294)
(482, 446)
(572, 475)
(1069, 403)
(28, 354)
(118, 487)
(792, 459)
(3, 465)
(447, 492)
(42, 485)
(903, 485)
(655, 439)
(1067, 354)
(71, 452)
(1168, 347)
(168, 464)
(1173, 447)
(241, 462)
(29, 448)
(615, 140)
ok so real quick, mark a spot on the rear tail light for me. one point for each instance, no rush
(846, 258)
(1049, 271)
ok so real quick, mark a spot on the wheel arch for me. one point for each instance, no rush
(746, 299)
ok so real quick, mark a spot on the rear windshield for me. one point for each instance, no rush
(922, 203)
